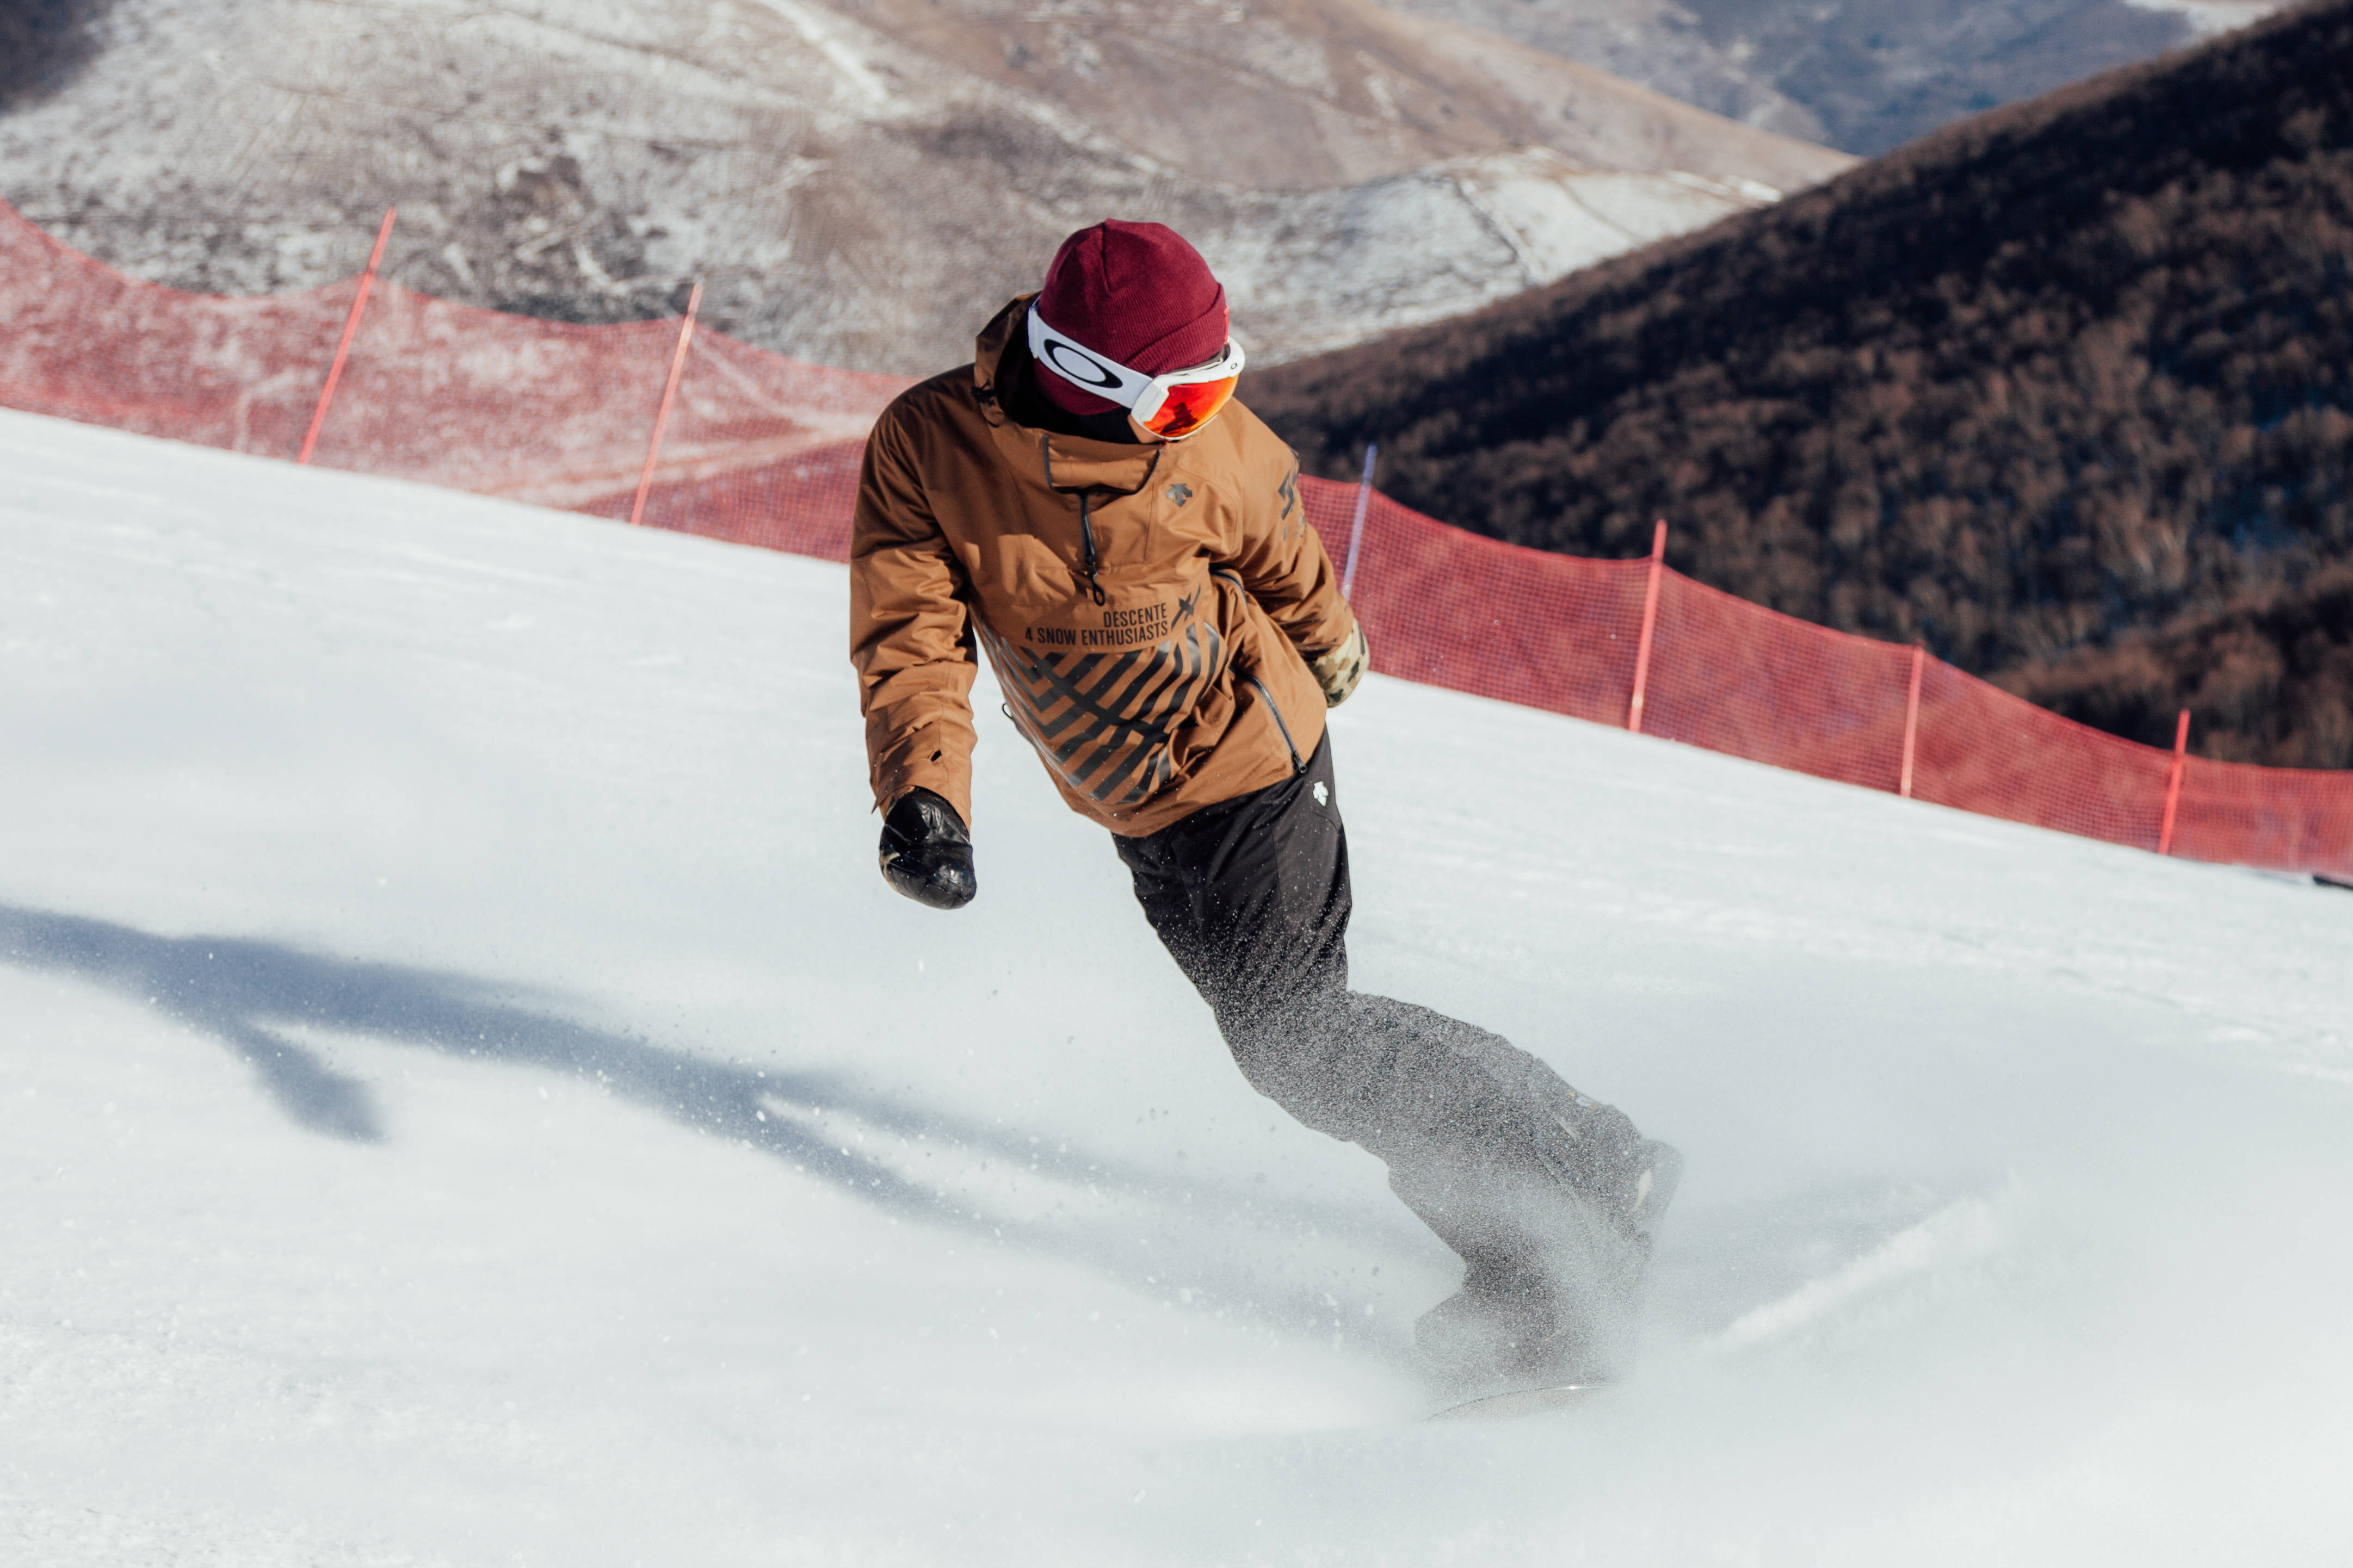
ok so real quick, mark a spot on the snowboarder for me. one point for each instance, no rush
(1088, 504)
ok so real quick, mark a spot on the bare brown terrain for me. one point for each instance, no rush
(862, 184)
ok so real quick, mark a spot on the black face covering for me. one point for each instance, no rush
(1029, 406)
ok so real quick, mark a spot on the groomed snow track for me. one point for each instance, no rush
(468, 1100)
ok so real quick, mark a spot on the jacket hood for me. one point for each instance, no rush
(1071, 462)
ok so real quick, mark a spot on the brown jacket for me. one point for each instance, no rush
(1145, 608)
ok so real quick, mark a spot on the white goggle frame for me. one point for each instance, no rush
(1141, 396)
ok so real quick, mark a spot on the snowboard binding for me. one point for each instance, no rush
(1552, 1287)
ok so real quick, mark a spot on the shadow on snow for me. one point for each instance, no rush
(246, 993)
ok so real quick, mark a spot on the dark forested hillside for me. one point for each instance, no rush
(2078, 369)
(41, 43)
(2269, 680)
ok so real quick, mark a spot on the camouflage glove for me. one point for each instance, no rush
(926, 852)
(1338, 671)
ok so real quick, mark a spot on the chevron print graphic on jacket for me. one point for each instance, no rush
(1102, 720)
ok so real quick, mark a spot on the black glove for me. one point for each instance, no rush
(926, 853)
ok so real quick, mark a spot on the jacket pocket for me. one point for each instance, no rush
(1298, 763)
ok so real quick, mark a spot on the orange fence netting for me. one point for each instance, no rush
(762, 449)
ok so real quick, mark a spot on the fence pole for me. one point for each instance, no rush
(669, 391)
(1911, 720)
(2173, 784)
(1650, 625)
(1356, 533)
(351, 330)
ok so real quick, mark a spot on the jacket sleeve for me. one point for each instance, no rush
(1282, 560)
(909, 631)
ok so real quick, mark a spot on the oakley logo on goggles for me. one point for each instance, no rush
(1171, 406)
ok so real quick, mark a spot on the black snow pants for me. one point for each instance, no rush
(1251, 896)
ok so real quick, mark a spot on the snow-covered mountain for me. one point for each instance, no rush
(862, 182)
(466, 1097)
(1864, 75)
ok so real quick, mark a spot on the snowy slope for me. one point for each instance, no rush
(466, 1098)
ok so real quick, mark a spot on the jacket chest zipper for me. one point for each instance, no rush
(1088, 556)
(1087, 543)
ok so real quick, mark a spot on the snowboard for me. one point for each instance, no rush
(1523, 1402)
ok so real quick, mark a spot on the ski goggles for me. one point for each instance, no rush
(1170, 407)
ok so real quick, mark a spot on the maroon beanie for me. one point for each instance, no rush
(1137, 293)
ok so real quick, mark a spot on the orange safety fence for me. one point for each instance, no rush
(761, 450)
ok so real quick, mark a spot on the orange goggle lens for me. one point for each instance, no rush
(1187, 408)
